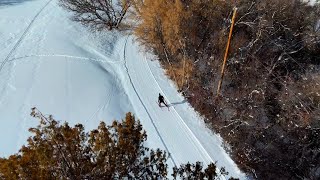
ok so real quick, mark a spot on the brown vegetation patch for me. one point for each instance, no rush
(269, 111)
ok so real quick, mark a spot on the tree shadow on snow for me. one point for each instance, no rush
(12, 2)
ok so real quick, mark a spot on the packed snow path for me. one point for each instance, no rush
(84, 77)
(168, 124)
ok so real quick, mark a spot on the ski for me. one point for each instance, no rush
(163, 106)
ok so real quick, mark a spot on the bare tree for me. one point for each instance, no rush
(99, 14)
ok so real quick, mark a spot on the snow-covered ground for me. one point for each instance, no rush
(58, 66)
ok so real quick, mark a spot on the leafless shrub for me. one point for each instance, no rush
(99, 14)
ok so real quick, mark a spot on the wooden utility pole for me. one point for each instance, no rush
(227, 50)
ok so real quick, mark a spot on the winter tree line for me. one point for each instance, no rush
(116, 151)
(269, 109)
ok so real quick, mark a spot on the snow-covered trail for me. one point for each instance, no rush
(84, 77)
(185, 139)
(23, 35)
(169, 125)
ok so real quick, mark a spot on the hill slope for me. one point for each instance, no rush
(84, 77)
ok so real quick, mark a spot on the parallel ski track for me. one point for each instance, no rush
(192, 136)
(23, 36)
(134, 88)
(179, 117)
(22, 58)
(184, 123)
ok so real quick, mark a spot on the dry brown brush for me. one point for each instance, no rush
(269, 111)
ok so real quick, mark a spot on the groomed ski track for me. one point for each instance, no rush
(175, 134)
(83, 80)
(168, 124)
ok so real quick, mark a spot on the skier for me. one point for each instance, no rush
(161, 100)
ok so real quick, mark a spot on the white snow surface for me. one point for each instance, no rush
(80, 76)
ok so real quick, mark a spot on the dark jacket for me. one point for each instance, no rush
(160, 98)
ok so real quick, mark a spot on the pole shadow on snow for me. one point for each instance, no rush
(12, 2)
(177, 103)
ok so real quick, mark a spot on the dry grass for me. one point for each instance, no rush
(180, 72)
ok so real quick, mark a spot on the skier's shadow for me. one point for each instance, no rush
(177, 103)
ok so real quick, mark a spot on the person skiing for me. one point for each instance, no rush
(161, 100)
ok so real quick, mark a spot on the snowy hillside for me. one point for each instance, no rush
(58, 66)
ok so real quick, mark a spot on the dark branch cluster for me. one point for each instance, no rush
(99, 14)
